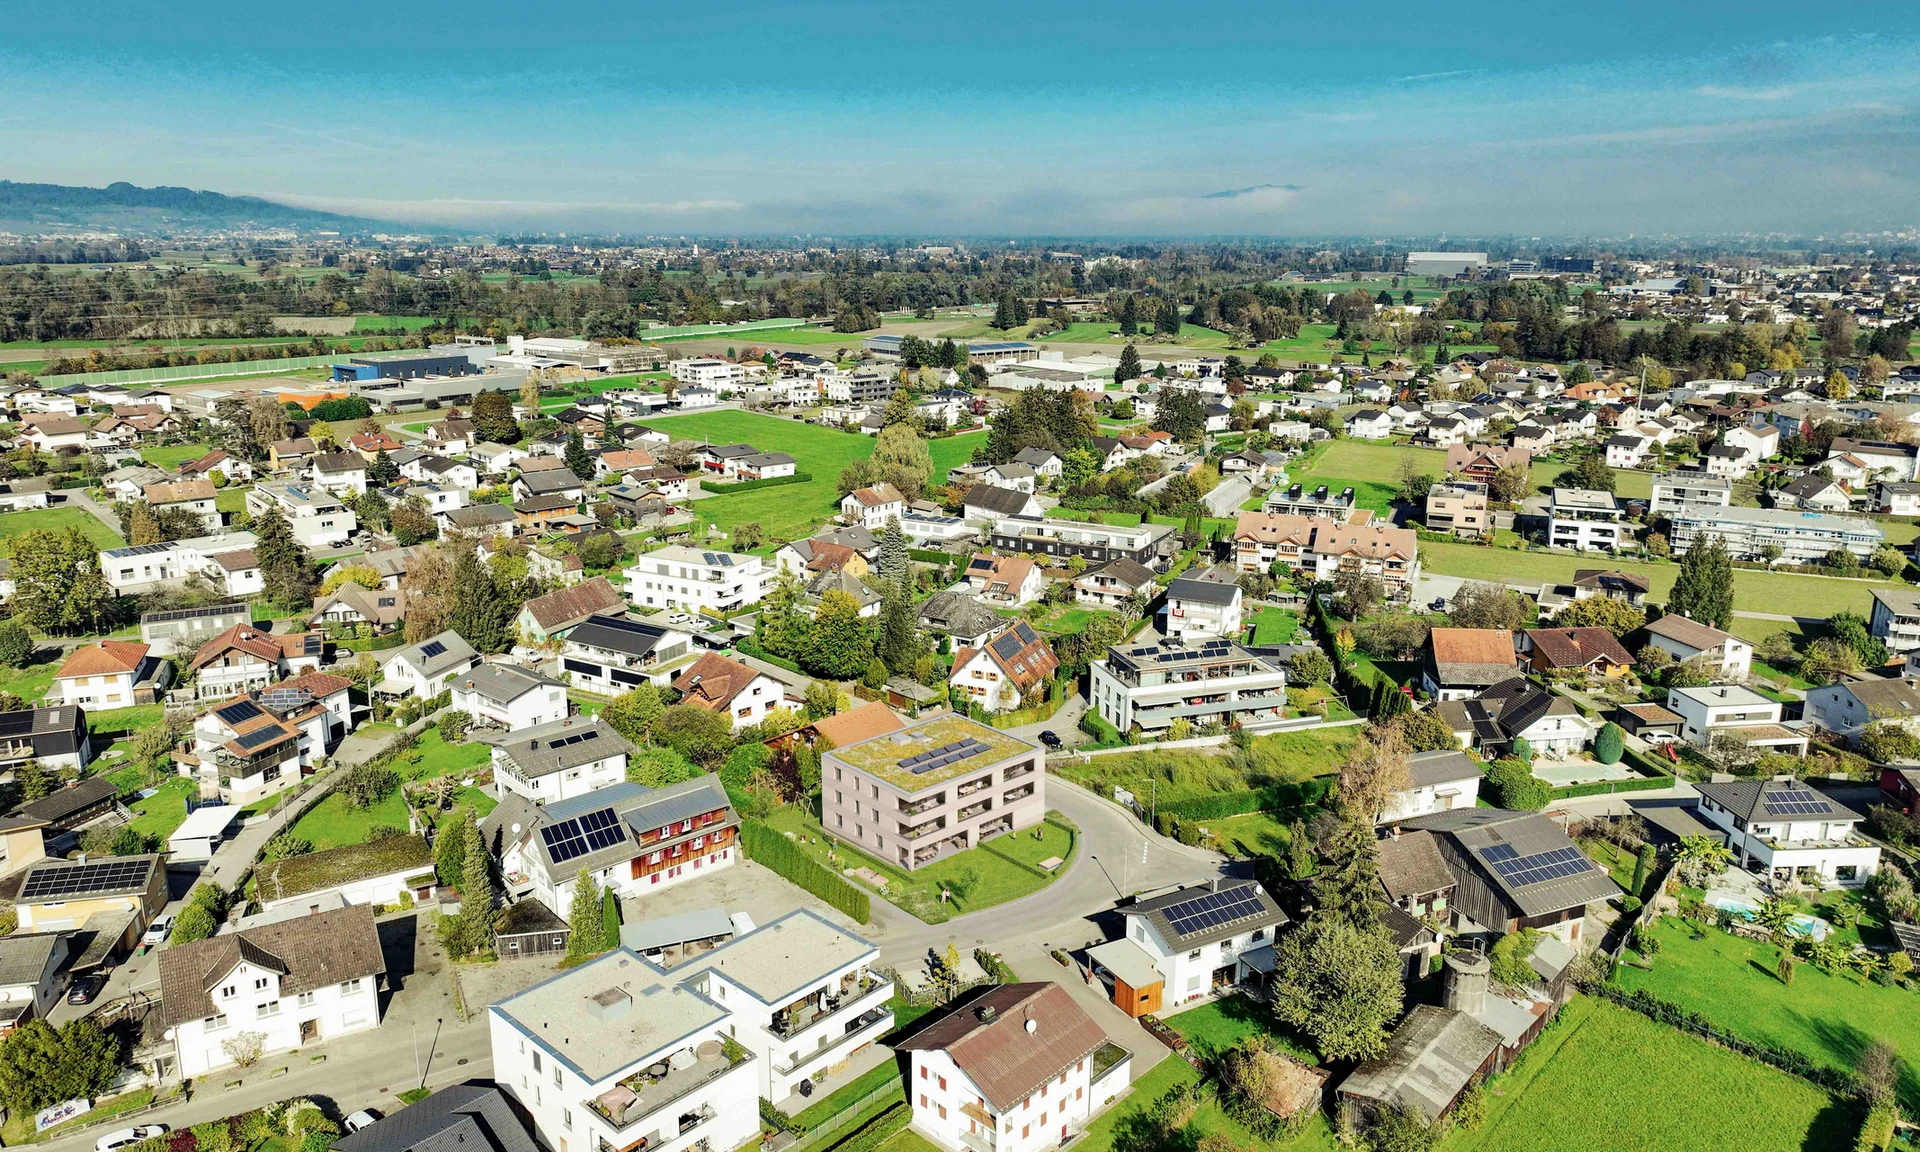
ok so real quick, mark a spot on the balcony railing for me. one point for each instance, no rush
(1016, 795)
(819, 1009)
(972, 786)
(972, 810)
(926, 805)
(860, 1030)
(635, 1103)
(1016, 772)
(917, 831)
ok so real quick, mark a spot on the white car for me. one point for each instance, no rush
(127, 1137)
(365, 1118)
(158, 931)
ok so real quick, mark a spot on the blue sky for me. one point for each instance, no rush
(1542, 117)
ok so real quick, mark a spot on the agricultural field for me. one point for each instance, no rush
(59, 520)
(791, 511)
(1827, 1017)
(804, 337)
(388, 323)
(1781, 593)
(1605, 1079)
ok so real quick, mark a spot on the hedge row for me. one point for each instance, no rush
(750, 485)
(1273, 798)
(1876, 1131)
(1104, 734)
(1608, 787)
(764, 845)
(752, 647)
(1673, 1015)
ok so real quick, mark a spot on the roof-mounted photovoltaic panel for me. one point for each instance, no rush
(261, 737)
(573, 738)
(1213, 910)
(1522, 871)
(944, 755)
(431, 649)
(602, 829)
(718, 559)
(1796, 802)
(1008, 645)
(284, 699)
(238, 712)
(103, 876)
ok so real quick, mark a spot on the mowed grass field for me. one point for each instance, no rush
(58, 520)
(1605, 1079)
(1826, 1017)
(1358, 462)
(791, 511)
(171, 456)
(1772, 592)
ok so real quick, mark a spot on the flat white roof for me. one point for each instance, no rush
(206, 822)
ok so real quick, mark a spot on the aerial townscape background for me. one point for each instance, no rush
(1003, 590)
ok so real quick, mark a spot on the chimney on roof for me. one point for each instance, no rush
(986, 1013)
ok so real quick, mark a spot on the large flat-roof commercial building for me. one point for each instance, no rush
(1802, 537)
(1152, 685)
(932, 789)
(1445, 263)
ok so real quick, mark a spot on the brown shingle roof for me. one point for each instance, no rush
(1690, 632)
(1472, 645)
(1005, 1060)
(177, 491)
(862, 723)
(713, 681)
(313, 952)
(1578, 647)
(571, 605)
(1411, 865)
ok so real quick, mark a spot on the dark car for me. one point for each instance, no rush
(1050, 739)
(1439, 604)
(85, 989)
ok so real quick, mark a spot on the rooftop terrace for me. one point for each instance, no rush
(931, 752)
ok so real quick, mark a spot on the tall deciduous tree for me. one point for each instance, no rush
(842, 642)
(493, 420)
(58, 585)
(633, 713)
(1339, 983)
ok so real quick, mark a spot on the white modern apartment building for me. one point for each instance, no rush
(1802, 537)
(141, 568)
(618, 1054)
(1675, 490)
(708, 372)
(1201, 939)
(282, 986)
(1583, 519)
(695, 580)
(1714, 709)
(1787, 830)
(1152, 685)
(1896, 618)
(318, 518)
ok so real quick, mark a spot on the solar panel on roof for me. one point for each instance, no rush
(1213, 910)
(1500, 852)
(1522, 871)
(945, 754)
(1796, 802)
(564, 840)
(238, 712)
(432, 648)
(282, 699)
(259, 738)
(103, 876)
(575, 738)
(602, 829)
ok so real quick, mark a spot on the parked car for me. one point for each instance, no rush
(158, 931)
(1050, 738)
(365, 1118)
(1439, 604)
(85, 988)
(125, 1137)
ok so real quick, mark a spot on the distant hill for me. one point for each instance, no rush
(122, 207)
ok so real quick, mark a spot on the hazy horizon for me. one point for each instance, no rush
(860, 118)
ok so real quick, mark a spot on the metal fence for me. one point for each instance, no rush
(819, 1135)
(190, 371)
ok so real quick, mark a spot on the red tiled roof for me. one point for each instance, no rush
(103, 658)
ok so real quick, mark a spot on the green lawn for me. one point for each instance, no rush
(171, 456)
(1373, 470)
(332, 823)
(1068, 621)
(1828, 1018)
(975, 879)
(1184, 773)
(1776, 592)
(387, 323)
(1255, 834)
(789, 511)
(125, 719)
(1274, 626)
(159, 814)
(831, 1105)
(58, 520)
(1218, 1025)
(1129, 1125)
(809, 337)
(230, 500)
(1605, 1079)
(30, 683)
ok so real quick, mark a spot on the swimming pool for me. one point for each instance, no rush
(1812, 927)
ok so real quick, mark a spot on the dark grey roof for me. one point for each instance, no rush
(1205, 913)
(481, 515)
(1428, 768)
(23, 958)
(340, 462)
(1006, 501)
(1129, 572)
(953, 612)
(1034, 457)
(1766, 800)
(618, 634)
(1494, 837)
(1431, 1058)
(504, 682)
(1202, 591)
(450, 651)
(550, 481)
(462, 1118)
(561, 744)
(64, 803)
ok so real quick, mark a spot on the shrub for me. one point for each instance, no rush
(1609, 743)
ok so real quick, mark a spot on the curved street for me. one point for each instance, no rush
(1117, 855)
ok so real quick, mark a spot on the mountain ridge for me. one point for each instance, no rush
(123, 207)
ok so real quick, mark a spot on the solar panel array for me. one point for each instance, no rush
(1520, 871)
(1796, 802)
(1209, 650)
(586, 833)
(944, 755)
(238, 712)
(575, 738)
(718, 559)
(285, 699)
(431, 649)
(1213, 910)
(192, 613)
(104, 876)
(260, 737)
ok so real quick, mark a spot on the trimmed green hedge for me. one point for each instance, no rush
(876, 1131)
(765, 846)
(1104, 734)
(1274, 798)
(1876, 1131)
(752, 647)
(750, 485)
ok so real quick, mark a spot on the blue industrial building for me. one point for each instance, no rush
(403, 367)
